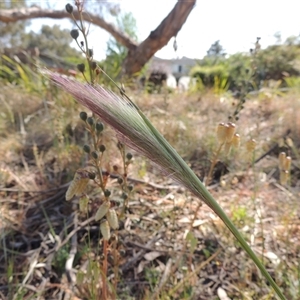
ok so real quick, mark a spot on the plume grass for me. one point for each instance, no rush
(136, 131)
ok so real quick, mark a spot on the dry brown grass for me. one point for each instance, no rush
(41, 155)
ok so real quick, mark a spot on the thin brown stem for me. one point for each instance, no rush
(213, 164)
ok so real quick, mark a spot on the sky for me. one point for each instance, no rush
(236, 23)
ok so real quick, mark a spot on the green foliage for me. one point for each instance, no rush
(51, 40)
(12, 34)
(277, 62)
(116, 52)
(18, 73)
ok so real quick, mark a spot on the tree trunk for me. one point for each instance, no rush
(138, 54)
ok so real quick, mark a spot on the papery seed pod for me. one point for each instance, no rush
(281, 159)
(81, 68)
(236, 141)
(287, 163)
(284, 176)
(230, 130)
(112, 219)
(83, 204)
(102, 210)
(105, 230)
(74, 34)
(251, 145)
(78, 184)
(221, 133)
(69, 8)
(83, 116)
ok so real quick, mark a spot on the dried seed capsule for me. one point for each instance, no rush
(105, 230)
(69, 8)
(107, 193)
(129, 156)
(90, 121)
(230, 130)
(81, 68)
(86, 149)
(284, 176)
(287, 163)
(102, 148)
(102, 210)
(74, 34)
(236, 141)
(282, 158)
(94, 155)
(250, 145)
(112, 219)
(221, 133)
(83, 116)
(99, 127)
(227, 148)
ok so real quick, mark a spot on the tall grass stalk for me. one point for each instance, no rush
(135, 130)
